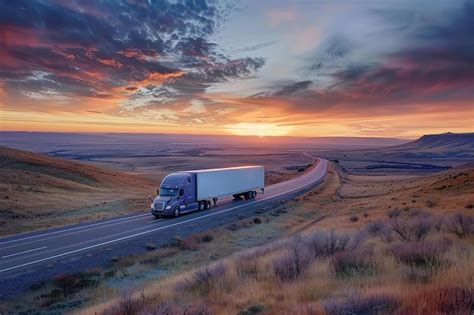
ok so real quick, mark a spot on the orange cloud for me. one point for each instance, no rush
(157, 78)
(110, 62)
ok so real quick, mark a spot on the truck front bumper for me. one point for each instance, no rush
(162, 213)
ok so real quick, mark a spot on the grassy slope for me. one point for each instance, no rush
(369, 199)
(38, 191)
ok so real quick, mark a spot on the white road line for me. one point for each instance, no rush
(161, 228)
(26, 251)
(75, 232)
(72, 229)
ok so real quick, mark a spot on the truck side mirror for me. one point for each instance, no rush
(157, 192)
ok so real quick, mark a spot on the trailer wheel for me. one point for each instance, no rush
(201, 206)
(237, 196)
(254, 194)
(176, 212)
(209, 205)
(247, 195)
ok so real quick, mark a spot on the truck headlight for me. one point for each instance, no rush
(168, 207)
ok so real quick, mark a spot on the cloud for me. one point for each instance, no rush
(293, 88)
(93, 49)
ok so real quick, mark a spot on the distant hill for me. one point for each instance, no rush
(446, 145)
(39, 191)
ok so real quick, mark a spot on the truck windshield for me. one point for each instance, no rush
(168, 192)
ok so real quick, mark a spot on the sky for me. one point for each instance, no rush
(268, 68)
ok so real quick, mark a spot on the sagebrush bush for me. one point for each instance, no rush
(380, 229)
(292, 263)
(324, 244)
(413, 230)
(362, 305)
(427, 255)
(346, 264)
(203, 278)
(354, 218)
(461, 224)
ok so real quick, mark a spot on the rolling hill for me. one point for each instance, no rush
(38, 191)
(445, 145)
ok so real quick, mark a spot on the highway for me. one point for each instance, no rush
(21, 252)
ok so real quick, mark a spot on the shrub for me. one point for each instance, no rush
(429, 256)
(431, 203)
(380, 229)
(354, 218)
(257, 220)
(461, 224)
(324, 244)
(203, 278)
(207, 238)
(151, 246)
(362, 305)
(346, 264)
(415, 230)
(292, 264)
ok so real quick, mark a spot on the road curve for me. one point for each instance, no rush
(19, 253)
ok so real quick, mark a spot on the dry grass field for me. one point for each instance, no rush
(368, 244)
(38, 191)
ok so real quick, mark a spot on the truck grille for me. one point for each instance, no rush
(159, 206)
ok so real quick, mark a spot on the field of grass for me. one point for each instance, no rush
(374, 244)
(38, 191)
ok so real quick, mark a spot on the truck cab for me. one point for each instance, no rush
(176, 195)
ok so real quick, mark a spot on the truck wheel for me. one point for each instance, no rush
(247, 195)
(157, 216)
(236, 197)
(176, 212)
(209, 204)
(254, 194)
(201, 206)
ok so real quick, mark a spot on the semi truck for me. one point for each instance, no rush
(196, 190)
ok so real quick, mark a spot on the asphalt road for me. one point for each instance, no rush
(33, 252)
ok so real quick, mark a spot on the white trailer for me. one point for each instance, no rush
(235, 181)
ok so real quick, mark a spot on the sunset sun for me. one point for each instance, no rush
(258, 129)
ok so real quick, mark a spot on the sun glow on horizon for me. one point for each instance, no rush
(258, 129)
